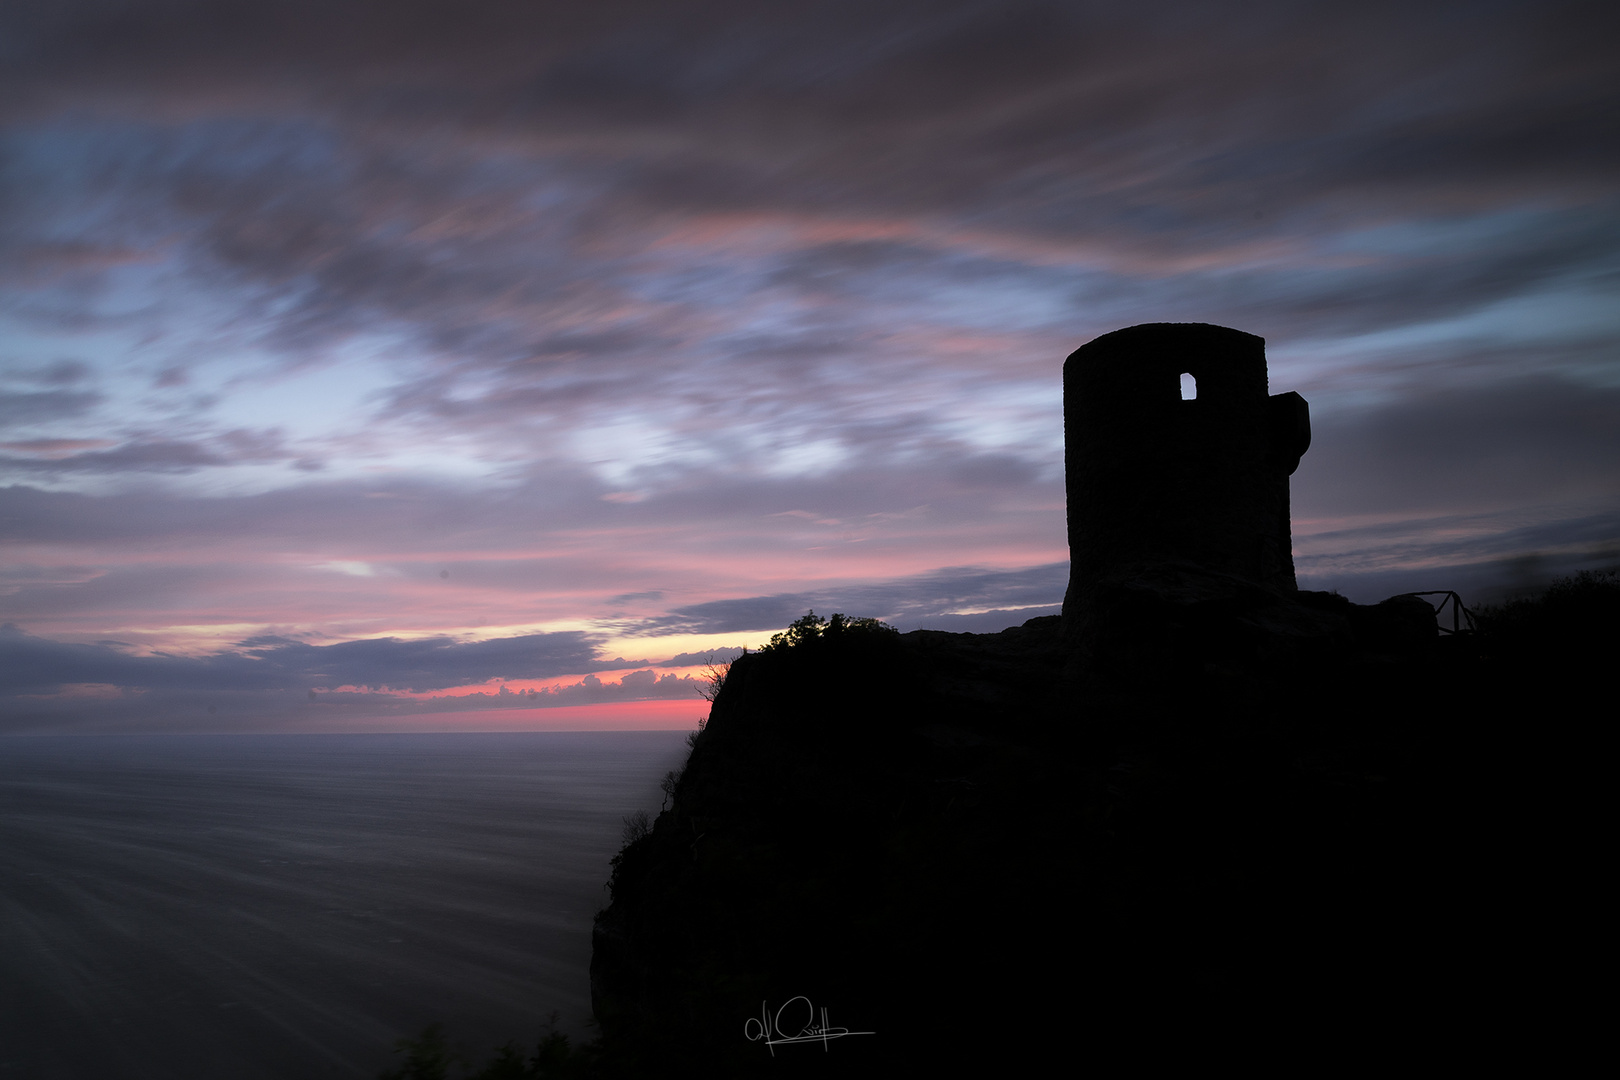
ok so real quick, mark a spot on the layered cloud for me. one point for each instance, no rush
(385, 327)
(30, 664)
(944, 599)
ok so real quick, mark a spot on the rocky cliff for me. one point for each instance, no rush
(1223, 826)
(1204, 816)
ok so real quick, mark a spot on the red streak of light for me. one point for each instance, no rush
(679, 715)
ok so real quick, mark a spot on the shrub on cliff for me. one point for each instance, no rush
(1571, 627)
(555, 1058)
(812, 627)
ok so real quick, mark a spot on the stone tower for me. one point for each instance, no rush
(1156, 482)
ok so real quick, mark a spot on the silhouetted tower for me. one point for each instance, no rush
(1156, 481)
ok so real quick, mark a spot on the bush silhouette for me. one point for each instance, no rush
(555, 1058)
(812, 627)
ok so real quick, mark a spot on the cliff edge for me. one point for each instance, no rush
(1203, 816)
(945, 841)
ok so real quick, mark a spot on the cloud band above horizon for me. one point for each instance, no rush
(371, 336)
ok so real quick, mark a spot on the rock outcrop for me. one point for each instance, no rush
(855, 822)
(1196, 816)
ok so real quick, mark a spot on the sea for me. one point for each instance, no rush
(285, 906)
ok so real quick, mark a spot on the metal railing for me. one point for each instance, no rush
(1462, 620)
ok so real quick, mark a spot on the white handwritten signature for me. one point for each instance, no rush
(774, 1031)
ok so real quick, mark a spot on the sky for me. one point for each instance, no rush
(396, 365)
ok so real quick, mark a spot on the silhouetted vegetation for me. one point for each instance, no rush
(667, 785)
(714, 677)
(1571, 622)
(636, 826)
(812, 628)
(429, 1057)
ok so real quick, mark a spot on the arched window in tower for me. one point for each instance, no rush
(1189, 387)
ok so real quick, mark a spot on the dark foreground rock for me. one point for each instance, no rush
(867, 823)
(1232, 830)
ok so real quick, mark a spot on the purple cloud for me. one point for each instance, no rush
(353, 323)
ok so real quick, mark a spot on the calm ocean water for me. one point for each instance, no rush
(287, 906)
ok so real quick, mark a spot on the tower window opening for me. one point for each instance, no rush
(1189, 387)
